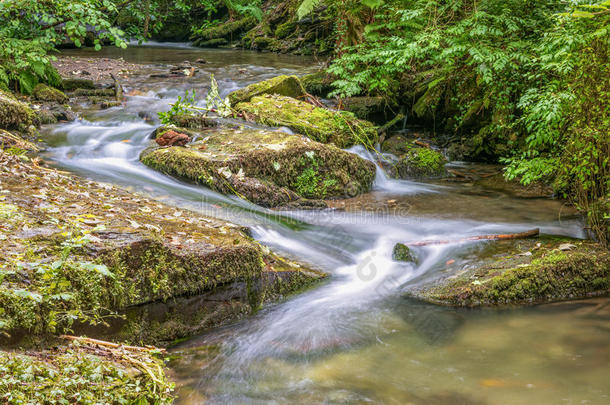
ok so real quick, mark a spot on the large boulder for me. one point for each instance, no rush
(125, 251)
(319, 84)
(269, 168)
(320, 124)
(288, 86)
(14, 114)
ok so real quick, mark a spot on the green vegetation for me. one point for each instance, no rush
(547, 274)
(84, 375)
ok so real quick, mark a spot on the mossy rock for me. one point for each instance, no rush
(140, 254)
(226, 30)
(42, 92)
(80, 92)
(320, 124)
(402, 253)
(319, 84)
(367, 108)
(73, 84)
(269, 168)
(553, 270)
(262, 43)
(289, 86)
(285, 29)
(14, 114)
(413, 161)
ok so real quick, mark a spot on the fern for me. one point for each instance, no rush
(306, 7)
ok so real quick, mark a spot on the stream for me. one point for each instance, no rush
(356, 338)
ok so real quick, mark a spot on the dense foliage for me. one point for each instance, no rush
(525, 82)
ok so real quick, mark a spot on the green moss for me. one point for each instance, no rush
(319, 84)
(42, 92)
(94, 92)
(15, 114)
(366, 108)
(420, 162)
(402, 253)
(73, 84)
(246, 162)
(320, 124)
(550, 275)
(288, 86)
(285, 29)
(80, 375)
(226, 30)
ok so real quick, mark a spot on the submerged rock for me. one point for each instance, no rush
(15, 114)
(269, 168)
(288, 86)
(42, 92)
(542, 272)
(320, 124)
(402, 253)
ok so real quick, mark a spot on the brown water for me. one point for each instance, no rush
(354, 339)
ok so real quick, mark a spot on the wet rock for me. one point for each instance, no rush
(138, 251)
(42, 92)
(402, 253)
(109, 104)
(212, 43)
(531, 272)
(146, 116)
(194, 121)
(413, 160)
(268, 168)
(80, 92)
(320, 124)
(15, 114)
(73, 84)
(288, 86)
(173, 138)
(318, 84)
(201, 61)
(367, 108)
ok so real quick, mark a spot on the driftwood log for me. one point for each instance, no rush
(521, 235)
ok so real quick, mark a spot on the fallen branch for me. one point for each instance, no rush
(111, 345)
(521, 235)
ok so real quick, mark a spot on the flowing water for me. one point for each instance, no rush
(356, 338)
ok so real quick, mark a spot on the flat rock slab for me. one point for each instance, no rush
(123, 249)
(530, 272)
(269, 168)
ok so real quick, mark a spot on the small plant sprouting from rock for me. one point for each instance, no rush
(186, 105)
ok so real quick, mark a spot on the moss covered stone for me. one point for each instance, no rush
(320, 124)
(553, 271)
(288, 86)
(228, 30)
(73, 84)
(14, 114)
(212, 43)
(121, 250)
(42, 92)
(413, 161)
(402, 253)
(319, 84)
(367, 108)
(269, 168)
